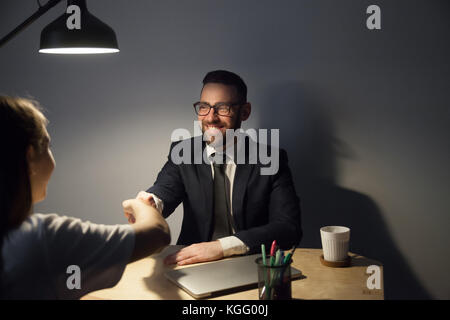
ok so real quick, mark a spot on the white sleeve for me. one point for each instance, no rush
(232, 246)
(158, 202)
(100, 251)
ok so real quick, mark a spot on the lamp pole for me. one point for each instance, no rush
(42, 10)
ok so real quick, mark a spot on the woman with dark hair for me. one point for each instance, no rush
(37, 249)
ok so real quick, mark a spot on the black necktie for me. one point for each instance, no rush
(222, 224)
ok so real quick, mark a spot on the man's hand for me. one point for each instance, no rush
(198, 252)
(146, 197)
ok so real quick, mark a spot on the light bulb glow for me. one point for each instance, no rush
(79, 50)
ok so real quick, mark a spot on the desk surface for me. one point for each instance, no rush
(144, 280)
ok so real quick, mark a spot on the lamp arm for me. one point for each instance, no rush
(42, 10)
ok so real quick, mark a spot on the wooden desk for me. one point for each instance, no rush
(144, 280)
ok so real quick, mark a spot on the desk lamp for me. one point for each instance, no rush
(94, 36)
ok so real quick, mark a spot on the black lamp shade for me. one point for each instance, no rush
(94, 36)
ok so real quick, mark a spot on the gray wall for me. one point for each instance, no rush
(364, 115)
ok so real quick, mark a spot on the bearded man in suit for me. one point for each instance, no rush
(230, 208)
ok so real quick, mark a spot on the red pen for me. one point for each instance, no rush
(272, 252)
(272, 249)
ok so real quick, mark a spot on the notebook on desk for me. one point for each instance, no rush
(220, 277)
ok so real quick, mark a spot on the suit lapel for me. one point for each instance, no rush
(241, 177)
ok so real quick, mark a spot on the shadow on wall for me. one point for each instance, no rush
(307, 134)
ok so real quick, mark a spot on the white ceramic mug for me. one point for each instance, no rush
(335, 240)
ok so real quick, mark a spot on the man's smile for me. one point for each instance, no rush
(216, 126)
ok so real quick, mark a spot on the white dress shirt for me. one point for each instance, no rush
(231, 245)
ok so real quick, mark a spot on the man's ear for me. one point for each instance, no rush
(246, 109)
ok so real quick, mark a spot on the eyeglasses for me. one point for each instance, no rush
(221, 108)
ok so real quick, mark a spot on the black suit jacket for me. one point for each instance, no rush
(265, 207)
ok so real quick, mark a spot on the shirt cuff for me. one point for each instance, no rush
(158, 202)
(232, 246)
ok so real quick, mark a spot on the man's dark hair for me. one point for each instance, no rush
(230, 79)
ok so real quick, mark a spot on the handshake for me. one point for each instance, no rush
(153, 234)
(151, 230)
(130, 206)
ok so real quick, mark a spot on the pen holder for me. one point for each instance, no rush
(274, 282)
